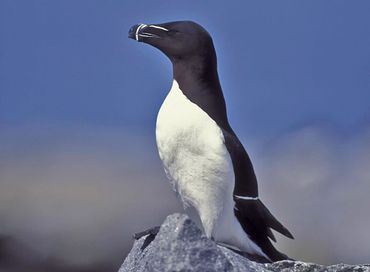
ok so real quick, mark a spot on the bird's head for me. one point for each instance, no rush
(178, 40)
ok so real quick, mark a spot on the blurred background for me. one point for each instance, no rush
(79, 170)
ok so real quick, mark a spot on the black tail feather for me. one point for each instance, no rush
(257, 222)
(271, 221)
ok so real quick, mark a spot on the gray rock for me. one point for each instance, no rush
(181, 246)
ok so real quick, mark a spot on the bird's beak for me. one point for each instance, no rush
(141, 32)
(134, 31)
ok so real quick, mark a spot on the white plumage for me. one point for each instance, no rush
(195, 158)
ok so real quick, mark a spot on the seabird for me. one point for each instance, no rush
(203, 158)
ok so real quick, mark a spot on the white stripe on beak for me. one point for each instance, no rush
(158, 27)
(138, 29)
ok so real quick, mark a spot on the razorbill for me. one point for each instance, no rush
(203, 158)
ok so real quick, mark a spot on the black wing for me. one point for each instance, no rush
(252, 214)
(245, 178)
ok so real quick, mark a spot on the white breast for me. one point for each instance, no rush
(192, 149)
(195, 158)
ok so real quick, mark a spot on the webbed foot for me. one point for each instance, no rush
(150, 233)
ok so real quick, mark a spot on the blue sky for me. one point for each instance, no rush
(78, 103)
(281, 64)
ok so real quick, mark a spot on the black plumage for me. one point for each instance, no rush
(191, 51)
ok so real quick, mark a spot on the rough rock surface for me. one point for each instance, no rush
(181, 246)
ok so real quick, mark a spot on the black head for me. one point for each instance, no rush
(178, 40)
(190, 49)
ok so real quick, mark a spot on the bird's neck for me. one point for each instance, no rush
(200, 71)
(198, 80)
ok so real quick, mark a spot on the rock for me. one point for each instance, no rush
(181, 246)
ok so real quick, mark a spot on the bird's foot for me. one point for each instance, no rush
(150, 236)
(152, 231)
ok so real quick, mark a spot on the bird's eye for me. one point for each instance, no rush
(173, 32)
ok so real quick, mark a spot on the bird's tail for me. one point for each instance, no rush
(257, 221)
(272, 222)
